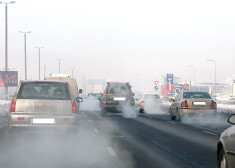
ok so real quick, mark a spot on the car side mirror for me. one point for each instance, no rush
(80, 91)
(79, 99)
(231, 119)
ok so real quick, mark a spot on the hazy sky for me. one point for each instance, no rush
(127, 40)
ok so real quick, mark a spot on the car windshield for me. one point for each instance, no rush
(44, 90)
(196, 95)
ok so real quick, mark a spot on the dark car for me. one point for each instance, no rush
(226, 146)
(117, 96)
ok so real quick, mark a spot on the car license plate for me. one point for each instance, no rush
(43, 121)
(119, 98)
(199, 103)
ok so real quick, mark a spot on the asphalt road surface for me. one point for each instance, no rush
(148, 141)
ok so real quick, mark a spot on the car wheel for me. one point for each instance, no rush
(222, 159)
(141, 110)
(172, 116)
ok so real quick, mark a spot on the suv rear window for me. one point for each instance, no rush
(196, 95)
(44, 90)
(117, 89)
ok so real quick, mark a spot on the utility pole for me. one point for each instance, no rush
(39, 55)
(25, 58)
(59, 63)
(6, 43)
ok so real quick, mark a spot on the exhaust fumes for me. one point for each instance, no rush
(205, 119)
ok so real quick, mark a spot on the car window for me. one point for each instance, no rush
(37, 90)
(196, 95)
(118, 89)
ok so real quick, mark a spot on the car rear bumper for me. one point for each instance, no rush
(117, 107)
(29, 120)
(195, 111)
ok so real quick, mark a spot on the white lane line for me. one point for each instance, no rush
(209, 132)
(96, 130)
(111, 151)
(89, 121)
(171, 122)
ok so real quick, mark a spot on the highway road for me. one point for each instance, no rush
(148, 141)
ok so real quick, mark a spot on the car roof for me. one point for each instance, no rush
(120, 83)
(44, 81)
(194, 91)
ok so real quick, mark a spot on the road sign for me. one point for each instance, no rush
(171, 93)
(156, 88)
(156, 82)
(8, 78)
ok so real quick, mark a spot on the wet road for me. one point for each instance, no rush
(148, 141)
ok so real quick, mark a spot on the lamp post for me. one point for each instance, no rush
(59, 63)
(6, 42)
(39, 55)
(215, 74)
(25, 58)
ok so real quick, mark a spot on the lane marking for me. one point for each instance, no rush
(171, 122)
(111, 151)
(209, 132)
(96, 130)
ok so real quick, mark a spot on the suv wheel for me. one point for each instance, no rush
(172, 116)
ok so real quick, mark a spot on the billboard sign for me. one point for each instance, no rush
(8, 78)
(170, 88)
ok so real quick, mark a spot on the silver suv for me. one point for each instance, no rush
(117, 96)
(44, 104)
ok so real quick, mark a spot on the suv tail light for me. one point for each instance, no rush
(74, 107)
(184, 104)
(142, 102)
(213, 104)
(13, 105)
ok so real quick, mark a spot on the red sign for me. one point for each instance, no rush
(156, 82)
(163, 90)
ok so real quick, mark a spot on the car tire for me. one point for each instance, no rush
(141, 110)
(172, 116)
(222, 159)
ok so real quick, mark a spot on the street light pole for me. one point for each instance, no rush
(25, 52)
(59, 63)
(39, 55)
(72, 71)
(6, 42)
(215, 74)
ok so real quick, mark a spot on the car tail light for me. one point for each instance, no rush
(13, 105)
(105, 104)
(21, 118)
(74, 107)
(142, 102)
(213, 104)
(132, 104)
(105, 93)
(184, 104)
